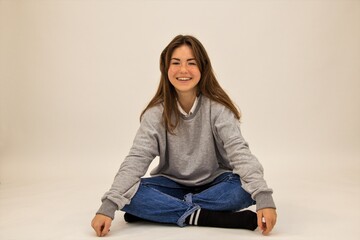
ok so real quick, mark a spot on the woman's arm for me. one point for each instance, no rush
(144, 149)
(228, 136)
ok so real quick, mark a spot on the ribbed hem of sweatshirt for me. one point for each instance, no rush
(264, 200)
(107, 208)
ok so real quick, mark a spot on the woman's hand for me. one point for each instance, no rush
(101, 224)
(266, 220)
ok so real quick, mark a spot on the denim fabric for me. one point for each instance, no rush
(160, 199)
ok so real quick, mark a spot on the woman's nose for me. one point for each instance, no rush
(183, 68)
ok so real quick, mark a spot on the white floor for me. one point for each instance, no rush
(317, 203)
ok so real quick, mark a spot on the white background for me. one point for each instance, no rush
(75, 76)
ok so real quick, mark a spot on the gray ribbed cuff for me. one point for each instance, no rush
(107, 208)
(264, 200)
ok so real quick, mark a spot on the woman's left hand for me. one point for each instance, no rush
(266, 219)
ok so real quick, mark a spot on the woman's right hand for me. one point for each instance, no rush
(101, 224)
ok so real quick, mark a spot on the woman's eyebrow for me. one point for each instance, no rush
(178, 59)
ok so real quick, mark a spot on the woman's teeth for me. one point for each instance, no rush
(183, 79)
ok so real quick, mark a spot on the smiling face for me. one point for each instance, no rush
(183, 72)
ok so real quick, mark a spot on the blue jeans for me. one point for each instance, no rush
(160, 199)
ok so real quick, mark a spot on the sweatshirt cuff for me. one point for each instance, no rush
(264, 200)
(107, 208)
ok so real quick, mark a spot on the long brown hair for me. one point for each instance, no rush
(207, 86)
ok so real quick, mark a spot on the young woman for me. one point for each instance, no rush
(206, 172)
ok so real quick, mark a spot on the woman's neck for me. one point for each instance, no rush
(186, 101)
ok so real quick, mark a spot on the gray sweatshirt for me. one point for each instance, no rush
(205, 145)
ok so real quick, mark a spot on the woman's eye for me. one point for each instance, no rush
(192, 63)
(175, 63)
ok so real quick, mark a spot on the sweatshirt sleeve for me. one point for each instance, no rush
(242, 161)
(144, 149)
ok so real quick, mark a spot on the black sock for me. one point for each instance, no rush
(131, 218)
(244, 219)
